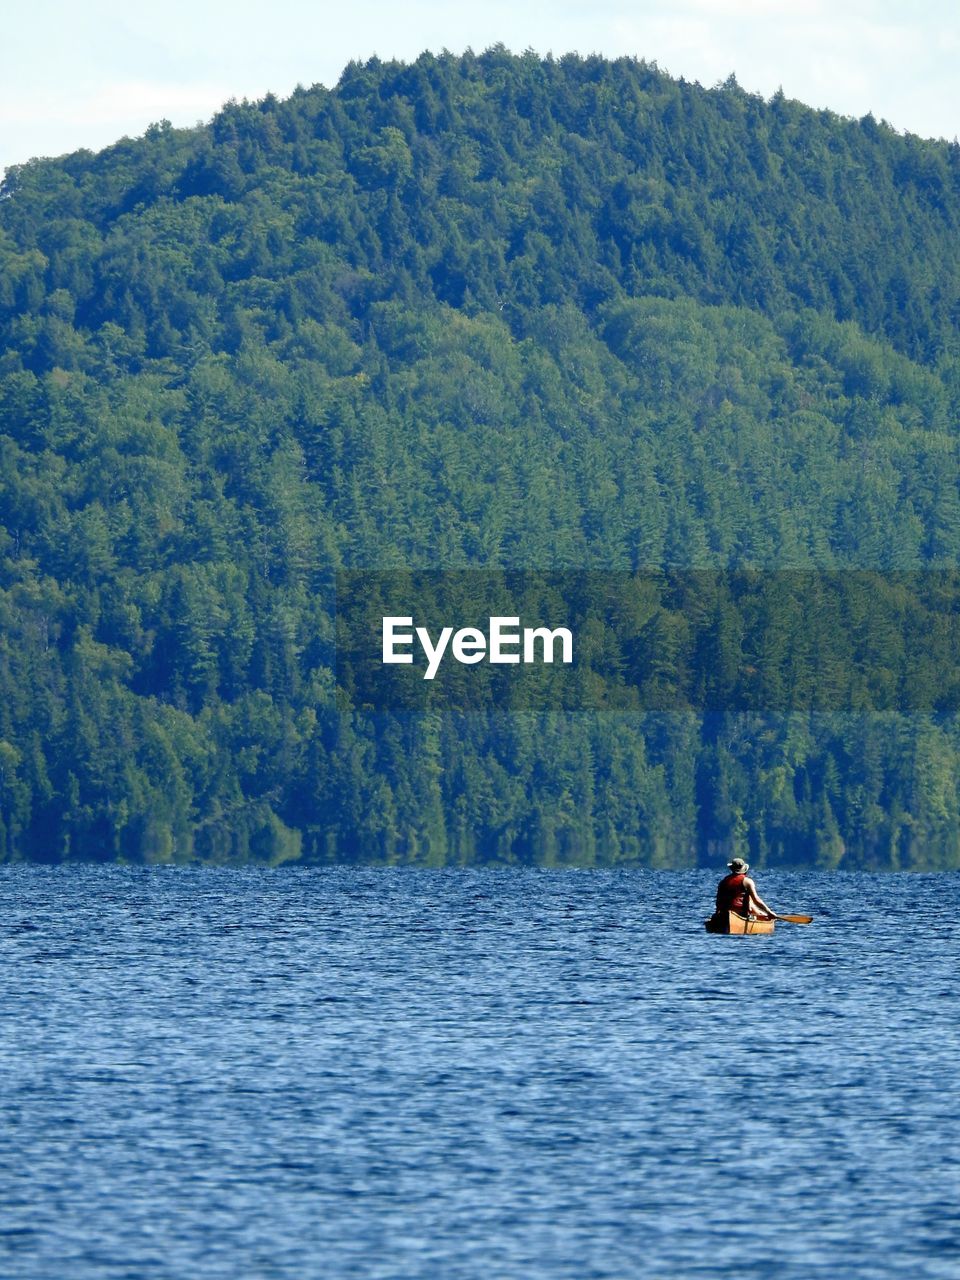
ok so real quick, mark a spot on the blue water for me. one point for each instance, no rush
(466, 1074)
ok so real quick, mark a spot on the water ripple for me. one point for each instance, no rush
(465, 1074)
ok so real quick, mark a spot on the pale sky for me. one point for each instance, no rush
(85, 74)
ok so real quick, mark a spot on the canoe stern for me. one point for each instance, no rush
(733, 922)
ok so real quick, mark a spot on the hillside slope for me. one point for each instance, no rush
(480, 311)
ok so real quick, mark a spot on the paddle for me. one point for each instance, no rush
(795, 919)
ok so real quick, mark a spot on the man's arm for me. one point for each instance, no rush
(754, 897)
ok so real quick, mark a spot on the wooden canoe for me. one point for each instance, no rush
(735, 923)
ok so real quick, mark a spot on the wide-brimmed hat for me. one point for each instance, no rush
(738, 864)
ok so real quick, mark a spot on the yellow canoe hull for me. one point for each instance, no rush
(732, 922)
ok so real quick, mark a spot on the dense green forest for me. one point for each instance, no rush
(482, 311)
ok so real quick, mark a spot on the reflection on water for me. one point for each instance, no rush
(398, 1073)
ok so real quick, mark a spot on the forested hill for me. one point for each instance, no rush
(496, 184)
(475, 311)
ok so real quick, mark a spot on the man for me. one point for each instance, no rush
(737, 892)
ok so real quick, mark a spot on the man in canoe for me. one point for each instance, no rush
(737, 892)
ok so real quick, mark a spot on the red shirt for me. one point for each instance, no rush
(731, 895)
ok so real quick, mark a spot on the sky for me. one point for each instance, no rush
(83, 75)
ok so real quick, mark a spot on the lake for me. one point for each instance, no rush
(393, 1073)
